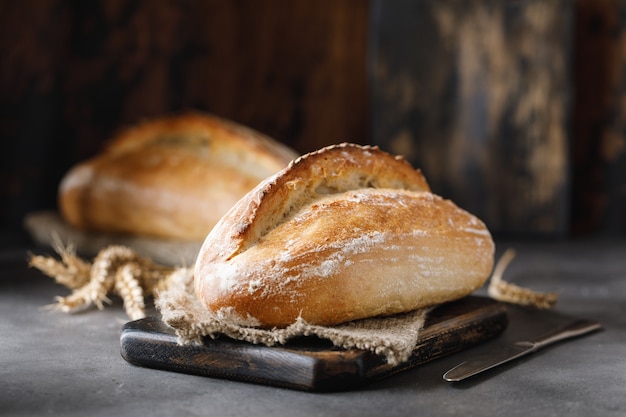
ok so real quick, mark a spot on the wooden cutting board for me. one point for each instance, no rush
(309, 363)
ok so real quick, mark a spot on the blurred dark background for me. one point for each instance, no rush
(516, 110)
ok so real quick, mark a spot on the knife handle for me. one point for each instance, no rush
(576, 328)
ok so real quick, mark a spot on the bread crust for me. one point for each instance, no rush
(171, 177)
(344, 233)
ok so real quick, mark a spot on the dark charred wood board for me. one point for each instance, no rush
(309, 363)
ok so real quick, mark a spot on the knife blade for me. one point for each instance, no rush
(490, 359)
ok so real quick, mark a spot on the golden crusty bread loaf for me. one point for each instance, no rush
(344, 233)
(171, 177)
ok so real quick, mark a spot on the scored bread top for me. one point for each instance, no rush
(206, 137)
(333, 169)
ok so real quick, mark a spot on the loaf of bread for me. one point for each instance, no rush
(171, 177)
(344, 233)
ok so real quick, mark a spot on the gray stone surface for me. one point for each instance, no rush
(57, 364)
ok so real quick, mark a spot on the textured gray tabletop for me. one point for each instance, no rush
(57, 364)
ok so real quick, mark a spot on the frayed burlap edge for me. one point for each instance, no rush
(393, 338)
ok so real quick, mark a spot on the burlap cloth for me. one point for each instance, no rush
(393, 338)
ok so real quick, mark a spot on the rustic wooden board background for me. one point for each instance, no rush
(477, 94)
(599, 118)
(513, 109)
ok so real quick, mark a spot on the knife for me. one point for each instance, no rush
(490, 359)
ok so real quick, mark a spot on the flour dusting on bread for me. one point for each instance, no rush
(344, 233)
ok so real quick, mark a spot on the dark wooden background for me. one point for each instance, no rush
(516, 110)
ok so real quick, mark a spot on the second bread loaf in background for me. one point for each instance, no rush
(169, 177)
